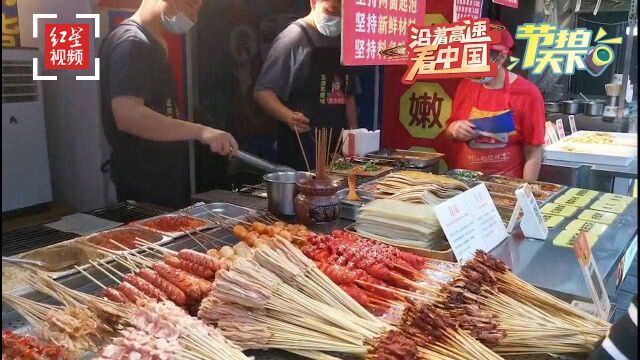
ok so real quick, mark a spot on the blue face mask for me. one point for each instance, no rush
(178, 24)
(328, 25)
(483, 80)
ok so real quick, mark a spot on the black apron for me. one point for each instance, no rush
(321, 97)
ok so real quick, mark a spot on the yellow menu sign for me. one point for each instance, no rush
(573, 200)
(552, 220)
(609, 206)
(10, 28)
(588, 226)
(598, 216)
(566, 238)
(559, 209)
(581, 192)
(615, 198)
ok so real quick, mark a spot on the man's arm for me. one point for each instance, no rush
(133, 117)
(272, 105)
(352, 112)
(532, 162)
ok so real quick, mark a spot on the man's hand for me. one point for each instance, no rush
(462, 130)
(220, 142)
(298, 122)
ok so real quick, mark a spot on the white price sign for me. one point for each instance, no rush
(532, 223)
(471, 222)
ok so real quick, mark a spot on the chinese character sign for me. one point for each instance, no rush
(374, 31)
(10, 27)
(67, 46)
(564, 51)
(457, 50)
(467, 9)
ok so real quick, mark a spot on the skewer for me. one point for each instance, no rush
(105, 272)
(304, 155)
(194, 239)
(111, 268)
(90, 277)
(213, 238)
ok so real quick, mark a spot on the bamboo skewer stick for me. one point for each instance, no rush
(304, 155)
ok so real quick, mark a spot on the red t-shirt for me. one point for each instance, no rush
(527, 105)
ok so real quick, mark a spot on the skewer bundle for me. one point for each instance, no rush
(76, 329)
(532, 321)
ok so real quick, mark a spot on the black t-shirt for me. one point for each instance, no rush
(136, 64)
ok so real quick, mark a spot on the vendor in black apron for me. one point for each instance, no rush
(303, 85)
(150, 149)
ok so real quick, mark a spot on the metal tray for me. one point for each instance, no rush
(225, 209)
(176, 234)
(411, 159)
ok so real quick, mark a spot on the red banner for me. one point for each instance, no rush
(415, 116)
(374, 31)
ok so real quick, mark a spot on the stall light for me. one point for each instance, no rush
(635, 30)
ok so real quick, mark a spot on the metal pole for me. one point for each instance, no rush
(192, 98)
(628, 52)
(376, 99)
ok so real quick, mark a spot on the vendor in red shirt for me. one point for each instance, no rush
(516, 153)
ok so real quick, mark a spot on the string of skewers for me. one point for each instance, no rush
(324, 156)
(267, 293)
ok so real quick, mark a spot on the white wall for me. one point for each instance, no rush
(77, 146)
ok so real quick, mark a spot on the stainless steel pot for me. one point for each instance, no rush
(552, 107)
(593, 108)
(282, 190)
(572, 107)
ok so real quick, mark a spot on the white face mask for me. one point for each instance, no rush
(328, 25)
(179, 24)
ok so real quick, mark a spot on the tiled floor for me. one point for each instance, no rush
(627, 290)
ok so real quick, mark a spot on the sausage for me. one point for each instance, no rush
(173, 292)
(188, 266)
(132, 294)
(114, 295)
(200, 259)
(146, 287)
(193, 287)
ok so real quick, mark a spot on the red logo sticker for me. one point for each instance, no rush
(66, 47)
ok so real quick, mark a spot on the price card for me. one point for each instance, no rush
(587, 226)
(598, 216)
(552, 220)
(560, 129)
(591, 274)
(615, 198)
(533, 225)
(572, 124)
(559, 209)
(572, 200)
(550, 131)
(581, 192)
(609, 206)
(471, 222)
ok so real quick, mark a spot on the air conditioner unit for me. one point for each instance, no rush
(26, 180)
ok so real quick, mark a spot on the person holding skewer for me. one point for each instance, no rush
(303, 85)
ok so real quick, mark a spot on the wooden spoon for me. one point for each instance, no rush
(352, 195)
